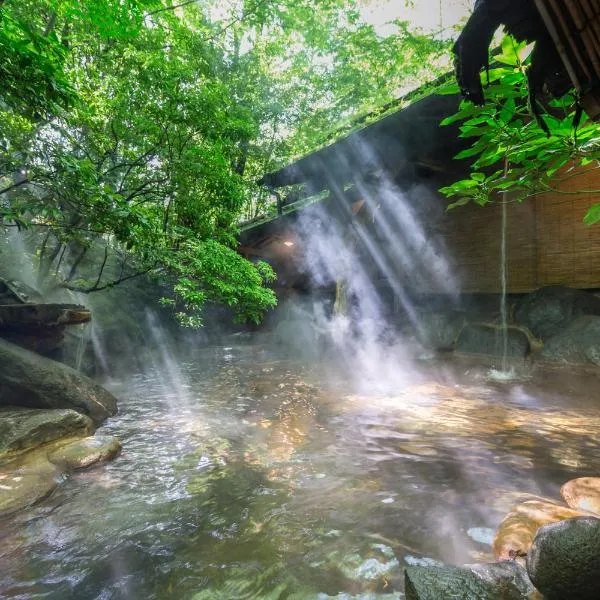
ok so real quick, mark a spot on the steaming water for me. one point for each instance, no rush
(247, 477)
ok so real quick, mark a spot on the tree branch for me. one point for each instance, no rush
(96, 288)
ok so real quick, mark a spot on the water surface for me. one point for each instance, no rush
(243, 476)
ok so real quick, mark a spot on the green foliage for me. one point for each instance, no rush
(141, 126)
(512, 155)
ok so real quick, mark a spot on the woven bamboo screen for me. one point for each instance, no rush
(547, 242)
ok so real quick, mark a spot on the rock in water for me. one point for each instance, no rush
(549, 310)
(495, 581)
(26, 480)
(564, 561)
(27, 379)
(582, 494)
(516, 532)
(26, 428)
(440, 330)
(578, 343)
(86, 452)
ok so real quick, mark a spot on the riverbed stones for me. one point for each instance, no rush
(564, 561)
(487, 339)
(494, 581)
(86, 452)
(516, 532)
(578, 343)
(582, 494)
(26, 480)
(26, 428)
(547, 311)
(27, 379)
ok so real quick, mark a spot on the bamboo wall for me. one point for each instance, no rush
(547, 242)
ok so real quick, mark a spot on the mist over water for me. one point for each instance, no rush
(311, 461)
(377, 259)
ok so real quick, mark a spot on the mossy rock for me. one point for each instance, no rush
(25, 481)
(494, 581)
(564, 560)
(86, 452)
(26, 428)
(28, 379)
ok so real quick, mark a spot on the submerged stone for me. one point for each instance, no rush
(26, 428)
(516, 532)
(28, 379)
(86, 452)
(582, 494)
(494, 581)
(564, 561)
(25, 481)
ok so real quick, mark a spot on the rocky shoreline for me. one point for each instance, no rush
(48, 415)
(545, 550)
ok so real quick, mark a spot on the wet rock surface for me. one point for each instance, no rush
(547, 311)
(440, 330)
(26, 428)
(578, 343)
(564, 561)
(494, 581)
(25, 481)
(517, 531)
(27, 379)
(487, 339)
(86, 452)
(582, 494)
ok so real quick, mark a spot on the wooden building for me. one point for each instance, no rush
(547, 241)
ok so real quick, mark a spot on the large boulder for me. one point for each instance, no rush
(80, 454)
(564, 561)
(516, 532)
(26, 428)
(494, 581)
(27, 379)
(550, 309)
(578, 343)
(440, 330)
(582, 494)
(487, 339)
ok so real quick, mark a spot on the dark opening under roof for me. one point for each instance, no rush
(411, 136)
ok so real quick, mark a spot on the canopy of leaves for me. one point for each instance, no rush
(143, 124)
(515, 156)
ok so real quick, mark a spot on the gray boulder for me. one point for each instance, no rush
(28, 379)
(26, 428)
(487, 339)
(579, 343)
(550, 309)
(440, 330)
(494, 581)
(564, 560)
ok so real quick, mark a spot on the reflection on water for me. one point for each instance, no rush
(243, 477)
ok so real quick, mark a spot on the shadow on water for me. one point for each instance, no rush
(246, 477)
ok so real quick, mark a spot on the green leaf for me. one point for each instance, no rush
(593, 215)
